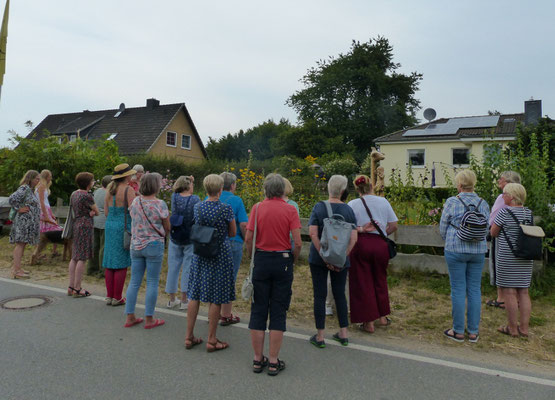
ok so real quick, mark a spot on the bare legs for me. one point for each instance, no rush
(517, 301)
(500, 296)
(17, 256)
(226, 309)
(212, 343)
(257, 341)
(76, 270)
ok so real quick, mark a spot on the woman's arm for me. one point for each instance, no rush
(44, 212)
(166, 225)
(390, 228)
(296, 233)
(94, 210)
(313, 233)
(445, 219)
(107, 203)
(248, 242)
(352, 242)
(232, 228)
(494, 230)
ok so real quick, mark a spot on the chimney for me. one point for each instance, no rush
(532, 111)
(152, 103)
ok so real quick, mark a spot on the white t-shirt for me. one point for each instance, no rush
(379, 207)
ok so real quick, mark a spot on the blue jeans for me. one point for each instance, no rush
(149, 259)
(237, 255)
(465, 275)
(179, 259)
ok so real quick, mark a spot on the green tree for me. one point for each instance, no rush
(64, 159)
(359, 94)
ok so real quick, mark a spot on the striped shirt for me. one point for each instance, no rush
(511, 272)
(453, 211)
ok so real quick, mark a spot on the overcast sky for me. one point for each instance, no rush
(234, 64)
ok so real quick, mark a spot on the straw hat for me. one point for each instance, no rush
(122, 170)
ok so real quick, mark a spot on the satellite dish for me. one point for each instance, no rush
(429, 114)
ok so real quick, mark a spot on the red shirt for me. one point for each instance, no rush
(276, 219)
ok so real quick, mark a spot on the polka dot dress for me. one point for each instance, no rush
(211, 279)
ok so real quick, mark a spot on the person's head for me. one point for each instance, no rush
(46, 179)
(213, 184)
(30, 178)
(363, 184)
(274, 186)
(337, 185)
(106, 181)
(465, 180)
(514, 194)
(183, 184)
(508, 177)
(150, 184)
(122, 174)
(84, 180)
(230, 180)
(288, 187)
(139, 172)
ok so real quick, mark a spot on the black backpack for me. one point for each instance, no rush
(181, 222)
(529, 240)
(474, 224)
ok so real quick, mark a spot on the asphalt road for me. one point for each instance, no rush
(78, 349)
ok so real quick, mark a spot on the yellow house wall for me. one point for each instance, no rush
(438, 153)
(180, 126)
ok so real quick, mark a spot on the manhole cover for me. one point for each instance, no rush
(22, 303)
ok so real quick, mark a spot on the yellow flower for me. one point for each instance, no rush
(299, 170)
(232, 168)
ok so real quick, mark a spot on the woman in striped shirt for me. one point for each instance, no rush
(513, 274)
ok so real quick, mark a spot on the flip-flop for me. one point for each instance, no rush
(157, 322)
(136, 322)
(505, 331)
(453, 336)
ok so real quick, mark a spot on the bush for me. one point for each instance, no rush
(341, 166)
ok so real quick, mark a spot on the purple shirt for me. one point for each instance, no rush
(497, 206)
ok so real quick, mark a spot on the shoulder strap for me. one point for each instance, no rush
(372, 219)
(464, 204)
(125, 208)
(146, 216)
(514, 216)
(254, 241)
(328, 208)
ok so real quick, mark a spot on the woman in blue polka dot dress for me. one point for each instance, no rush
(211, 280)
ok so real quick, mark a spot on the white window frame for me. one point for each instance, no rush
(416, 166)
(453, 156)
(175, 139)
(190, 141)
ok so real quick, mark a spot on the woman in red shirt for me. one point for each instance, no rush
(273, 270)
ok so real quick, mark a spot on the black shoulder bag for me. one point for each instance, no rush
(206, 242)
(391, 245)
(528, 243)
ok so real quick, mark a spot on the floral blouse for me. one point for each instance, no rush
(144, 232)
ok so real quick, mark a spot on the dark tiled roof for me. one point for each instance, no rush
(137, 128)
(505, 127)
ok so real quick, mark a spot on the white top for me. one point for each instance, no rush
(379, 207)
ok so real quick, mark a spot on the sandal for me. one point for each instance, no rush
(20, 275)
(495, 303)
(219, 345)
(120, 302)
(505, 331)
(258, 366)
(363, 329)
(386, 324)
(524, 335)
(473, 337)
(70, 291)
(277, 367)
(136, 322)
(454, 336)
(192, 342)
(232, 319)
(343, 341)
(318, 343)
(157, 322)
(80, 293)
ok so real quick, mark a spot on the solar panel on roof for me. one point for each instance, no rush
(452, 126)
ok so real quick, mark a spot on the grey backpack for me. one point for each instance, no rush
(335, 238)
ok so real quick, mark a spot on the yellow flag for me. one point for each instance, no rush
(3, 42)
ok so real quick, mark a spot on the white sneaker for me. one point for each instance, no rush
(172, 304)
(184, 306)
(329, 310)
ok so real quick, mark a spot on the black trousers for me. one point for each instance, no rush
(320, 285)
(272, 278)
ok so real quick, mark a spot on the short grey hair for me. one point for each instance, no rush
(139, 168)
(150, 184)
(229, 179)
(274, 186)
(511, 176)
(182, 184)
(106, 181)
(336, 185)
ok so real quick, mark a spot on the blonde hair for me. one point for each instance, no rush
(288, 187)
(516, 191)
(113, 186)
(28, 177)
(466, 178)
(44, 174)
(213, 184)
(182, 184)
(363, 185)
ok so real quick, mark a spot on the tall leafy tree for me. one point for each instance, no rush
(360, 94)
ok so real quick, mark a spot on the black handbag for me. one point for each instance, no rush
(528, 242)
(206, 242)
(391, 245)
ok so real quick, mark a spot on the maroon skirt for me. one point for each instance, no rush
(368, 292)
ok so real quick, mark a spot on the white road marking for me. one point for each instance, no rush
(352, 346)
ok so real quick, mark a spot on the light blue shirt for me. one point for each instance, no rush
(239, 211)
(453, 210)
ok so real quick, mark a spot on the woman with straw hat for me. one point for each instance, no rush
(116, 258)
